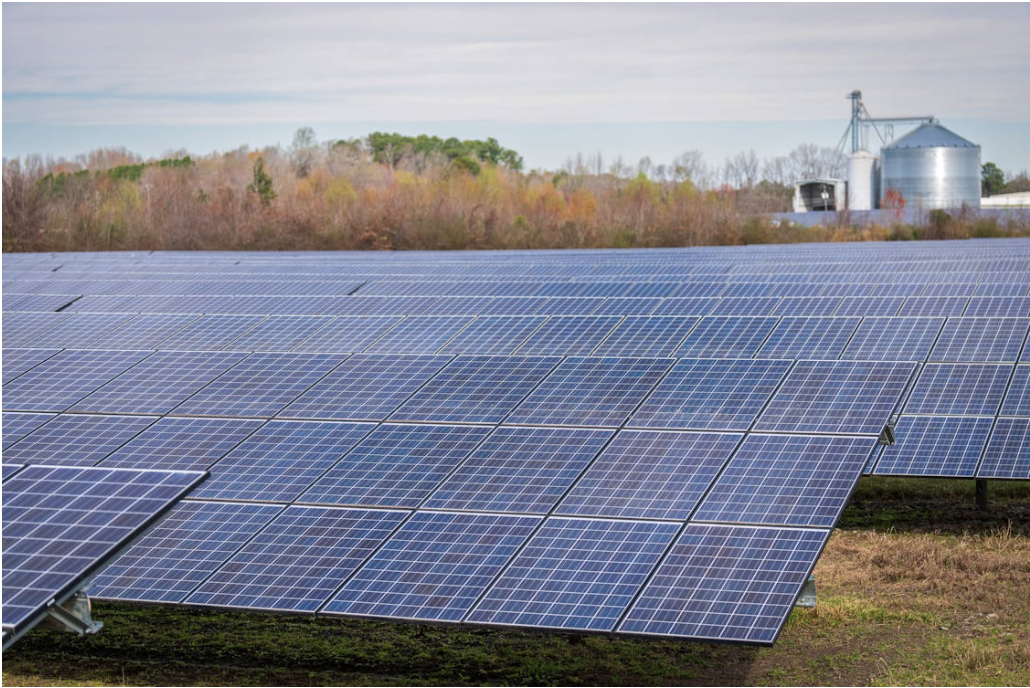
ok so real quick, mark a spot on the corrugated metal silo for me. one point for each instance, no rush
(932, 167)
(863, 181)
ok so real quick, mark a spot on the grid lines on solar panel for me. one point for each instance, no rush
(575, 574)
(159, 383)
(848, 397)
(649, 474)
(434, 567)
(79, 330)
(298, 560)
(727, 337)
(182, 443)
(966, 340)
(9, 469)
(809, 306)
(476, 389)
(646, 336)
(937, 446)
(348, 334)
(1008, 451)
(180, 552)
(395, 466)
(804, 337)
(524, 470)
(211, 332)
(896, 339)
(625, 306)
(599, 392)
(66, 378)
(950, 306)
(729, 583)
(25, 329)
(77, 440)
(18, 361)
(419, 335)
(569, 335)
(260, 385)
(17, 425)
(869, 306)
(746, 306)
(279, 461)
(365, 387)
(145, 331)
(710, 394)
(998, 306)
(45, 303)
(493, 335)
(787, 480)
(959, 389)
(685, 306)
(60, 523)
(1017, 399)
(280, 333)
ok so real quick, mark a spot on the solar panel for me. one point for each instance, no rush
(419, 335)
(808, 306)
(143, 331)
(727, 337)
(599, 392)
(435, 566)
(959, 389)
(279, 461)
(575, 574)
(1007, 455)
(933, 306)
(18, 361)
(76, 440)
(180, 552)
(648, 474)
(211, 332)
(646, 336)
(365, 387)
(524, 470)
(182, 443)
(476, 389)
(939, 446)
(17, 425)
(568, 335)
(9, 469)
(968, 340)
(1003, 306)
(493, 335)
(787, 480)
(298, 560)
(809, 338)
(1017, 399)
(685, 306)
(66, 378)
(159, 383)
(869, 306)
(625, 306)
(897, 339)
(24, 329)
(856, 397)
(348, 334)
(726, 583)
(60, 524)
(744, 306)
(280, 333)
(396, 466)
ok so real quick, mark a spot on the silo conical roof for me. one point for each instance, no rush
(931, 135)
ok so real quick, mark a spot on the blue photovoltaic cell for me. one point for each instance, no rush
(211, 332)
(260, 385)
(856, 397)
(569, 335)
(9, 469)
(723, 337)
(76, 440)
(298, 560)
(648, 474)
(17, 361)
(160, 383)
(17, 425)
(933, 306)
(893, 339)
(959, 389)
(435, 566)
(281, 460)
(787, 480)
(625, 306)
(348, 334)
(575, 574)
(1017, 400)
(935, 446)
(1004, 306)
(182, 443)
(61, 523)
(646, 336)
(869, 306)
(710, 394)
(495, 334)
(181, 551)
(37, 302)
(729, 583)
(967, 340)
(598, 392)
(77, 330)
(24, 329)
(419, 335)
(365, 387)
(143, 331)
(808, 306)
(809, 338)
(67, 377)
(1008, 451)
(685, 306)
(396, 466)
(457, 305)
(476, 389)
(524, 470)
(280, 333)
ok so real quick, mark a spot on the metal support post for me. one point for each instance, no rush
(981, 494)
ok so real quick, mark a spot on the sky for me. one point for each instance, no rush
(548, 80)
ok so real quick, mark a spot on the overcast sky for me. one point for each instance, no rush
(546, 79)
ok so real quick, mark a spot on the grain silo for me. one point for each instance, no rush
(932, 167)
(863, 181)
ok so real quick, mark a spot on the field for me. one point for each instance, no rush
(916, 587)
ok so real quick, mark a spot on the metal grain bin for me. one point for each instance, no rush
(932, 168)
(863, 181)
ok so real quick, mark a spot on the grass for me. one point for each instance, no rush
(915, 588)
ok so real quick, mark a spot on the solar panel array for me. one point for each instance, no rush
(632, 442)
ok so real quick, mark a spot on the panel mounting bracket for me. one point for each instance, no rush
(807, 599)
(73, 616)
(886, 438)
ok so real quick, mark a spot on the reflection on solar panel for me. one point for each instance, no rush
(980, 339)
(298, 560)
(959, 389)
(575, 574)
(434, 567)
(76, 440)
(60, 524)
(17, 361)
(1017, 399)
(730, 583)
(182, 443)
(723, 337)
(67, 377)
(181, 551)
(893, 339)
(1008, 451)
(935, 446)
(17, 425)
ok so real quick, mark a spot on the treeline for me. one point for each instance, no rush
(391, 192)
